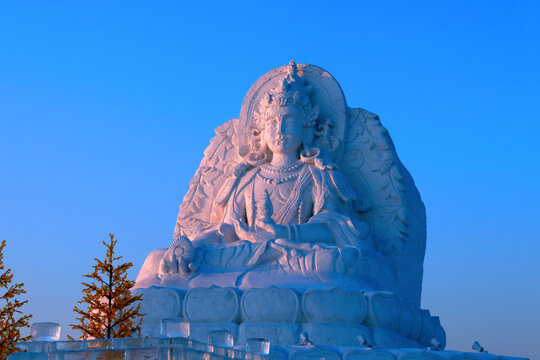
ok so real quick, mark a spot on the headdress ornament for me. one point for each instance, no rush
(293, 90)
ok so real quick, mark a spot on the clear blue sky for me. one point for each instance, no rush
(106, 108)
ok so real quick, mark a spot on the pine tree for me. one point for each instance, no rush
(11, 322)
(112, 311)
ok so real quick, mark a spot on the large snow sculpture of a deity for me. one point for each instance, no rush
(299, 192)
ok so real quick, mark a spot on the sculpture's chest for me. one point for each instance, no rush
(290, 201)
(278, 193)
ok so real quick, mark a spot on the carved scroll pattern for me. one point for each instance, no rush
(372, 166)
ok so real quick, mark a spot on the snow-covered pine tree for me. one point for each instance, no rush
(11, 320)
(111, 309)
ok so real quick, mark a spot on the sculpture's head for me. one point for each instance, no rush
(286, 118)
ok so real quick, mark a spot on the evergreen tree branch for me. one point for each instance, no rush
(110, 308)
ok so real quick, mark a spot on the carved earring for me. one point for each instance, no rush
(259, 157)
(308, 155)
(306, 143)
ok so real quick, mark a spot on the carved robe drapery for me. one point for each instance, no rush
(319, 195)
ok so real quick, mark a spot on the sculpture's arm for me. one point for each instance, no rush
(333, 219)
(335, 207)
(225, 231)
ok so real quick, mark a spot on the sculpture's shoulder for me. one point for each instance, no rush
(248, 177)
(329, 179)
(239, 179)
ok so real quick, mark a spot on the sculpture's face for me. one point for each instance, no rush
(283, 129)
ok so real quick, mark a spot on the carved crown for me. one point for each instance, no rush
(292, 90)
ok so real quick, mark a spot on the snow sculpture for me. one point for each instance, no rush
(300, 195)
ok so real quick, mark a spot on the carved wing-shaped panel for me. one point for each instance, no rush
(220, 158)
(397, 215)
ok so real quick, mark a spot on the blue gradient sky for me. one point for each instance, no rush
(105, 110)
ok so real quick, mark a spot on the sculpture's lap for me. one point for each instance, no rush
(276, 277)
(245, 265)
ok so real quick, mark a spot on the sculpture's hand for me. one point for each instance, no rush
(253, 236)
(168, 267)
(179, 258)
(228, 232)
(277, 231)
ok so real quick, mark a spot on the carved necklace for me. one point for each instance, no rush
(277, 180)
(274, 175)
(280, 170)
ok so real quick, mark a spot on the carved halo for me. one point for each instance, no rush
(326, 93)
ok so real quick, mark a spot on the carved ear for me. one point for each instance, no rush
(263, 145)
(307, 139)
(314, 113)
(295, 97)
